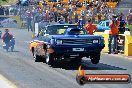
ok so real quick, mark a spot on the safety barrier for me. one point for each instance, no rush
(106, 37)
(9, 22)
(128, 45)
(126, 38)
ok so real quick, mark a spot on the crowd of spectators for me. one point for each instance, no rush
(70, 12)
(4, 10)
(63, 12)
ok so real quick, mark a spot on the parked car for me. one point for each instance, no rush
(103, 25)
(66, 42)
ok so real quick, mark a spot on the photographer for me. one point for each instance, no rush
(113, 34)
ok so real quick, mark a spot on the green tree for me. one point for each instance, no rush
(4, 0)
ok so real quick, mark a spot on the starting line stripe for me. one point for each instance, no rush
(5, 83)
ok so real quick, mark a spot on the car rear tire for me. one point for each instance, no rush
(36, 58)
(95, 59)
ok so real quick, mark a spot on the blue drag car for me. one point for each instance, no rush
(67, 42)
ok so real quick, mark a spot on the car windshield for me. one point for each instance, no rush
(73, 32)
(60, 29)
(100, 23)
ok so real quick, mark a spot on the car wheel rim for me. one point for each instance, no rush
(47, 59)
(34, 57)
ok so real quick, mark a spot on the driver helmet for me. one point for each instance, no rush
(6, 30)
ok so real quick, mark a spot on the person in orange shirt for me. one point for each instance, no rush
(90, 27)
(113, 34)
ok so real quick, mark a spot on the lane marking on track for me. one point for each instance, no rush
(5, 83)
(119, 55)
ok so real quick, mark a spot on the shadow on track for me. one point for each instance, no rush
(87, 65)
(14, 51)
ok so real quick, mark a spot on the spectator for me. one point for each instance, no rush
(76, 17)
(51, 15)
(6, 11)
(1, 10)
(70, 21)
(99, 17)
(78, 3)
(82, 21)
(114, 24)
(65, 15)
(122, 23)
(56, 16)
(59, 16)
(129, 17)
(47, 16)
(29, 19)
(90, 27)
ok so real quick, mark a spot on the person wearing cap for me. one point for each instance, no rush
(90, 27)
(113, 34)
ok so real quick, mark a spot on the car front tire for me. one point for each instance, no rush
(49, 59)
(95, 61)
